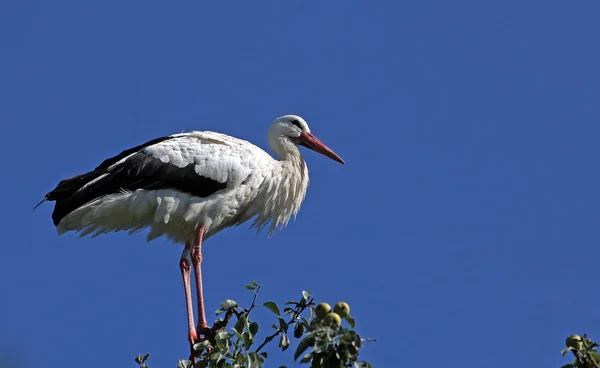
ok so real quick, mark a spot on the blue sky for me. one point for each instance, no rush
(463, 228)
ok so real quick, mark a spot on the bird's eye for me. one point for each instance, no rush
(296, 123)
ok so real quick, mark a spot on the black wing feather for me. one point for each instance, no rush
(140, 171)
(113, 160)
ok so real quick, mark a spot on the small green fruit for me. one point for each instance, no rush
(342, 309)
(322, 309)
(332, 319)
(574, 341)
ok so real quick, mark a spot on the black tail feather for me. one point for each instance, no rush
(67, 187)
(68, 194)
(65, 191)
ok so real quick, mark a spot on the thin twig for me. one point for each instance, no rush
(219, 324)
(210, 333)
(268, 339)
(256, 291)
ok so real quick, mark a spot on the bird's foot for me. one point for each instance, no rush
(193, 339)
(206, 333)
(203, 333)
(204, 330)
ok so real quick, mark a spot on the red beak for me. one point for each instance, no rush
(310, 141)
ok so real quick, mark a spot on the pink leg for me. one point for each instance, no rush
(184, 264)
(197, 261)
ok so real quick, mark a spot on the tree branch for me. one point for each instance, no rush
(295, 315)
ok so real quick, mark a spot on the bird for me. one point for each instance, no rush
(188, 187)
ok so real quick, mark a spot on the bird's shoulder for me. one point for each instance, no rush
(213, 155)
(208, 145)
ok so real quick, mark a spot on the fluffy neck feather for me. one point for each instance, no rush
(283, 192)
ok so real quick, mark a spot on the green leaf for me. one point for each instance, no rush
(298, 330)
(350, 321)
(222, 340)
(351, 353)
(253, 328)
(202, 345)
(239, 324)
(305, 322)
(303, 345)
(184, 364)
(138, 359)
(566, 350)
(228, 304)
(250, 287)
(145, 357)
(203, 363)
(247, 340)
(255, 360)
(273, 307)
(223, 335)
(239, 335)
(320, 346)
(596, 356)
(255, 283)
(284, 342)
(306, 295)
(568, 366)
(307, 358)
(217, 356)
(357, 340)
(283, 325)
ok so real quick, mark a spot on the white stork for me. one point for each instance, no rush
(188, 187)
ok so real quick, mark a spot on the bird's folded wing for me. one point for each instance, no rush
(203, 155)
(198, 163)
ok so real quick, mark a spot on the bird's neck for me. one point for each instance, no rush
(289, 154)
(283, 192)
(285, 149)
(293, 172)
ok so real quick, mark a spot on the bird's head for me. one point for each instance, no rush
(293, 128)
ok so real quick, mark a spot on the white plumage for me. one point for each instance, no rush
(190, 186)
(255, 185)
(251, 176)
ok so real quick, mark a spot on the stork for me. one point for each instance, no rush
(188, 187)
